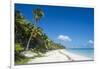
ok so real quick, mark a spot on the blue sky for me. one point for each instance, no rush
(73, 27)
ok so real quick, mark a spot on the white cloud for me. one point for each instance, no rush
(90, 41)
(64, 38)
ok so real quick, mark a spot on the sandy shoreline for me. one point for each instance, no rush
(58, 56)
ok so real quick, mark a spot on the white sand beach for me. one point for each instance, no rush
(58, 56)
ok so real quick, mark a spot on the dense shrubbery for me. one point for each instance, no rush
(39, 41)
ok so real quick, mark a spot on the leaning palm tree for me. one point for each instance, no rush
(37, 13)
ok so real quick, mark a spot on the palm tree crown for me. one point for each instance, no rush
(38, 13)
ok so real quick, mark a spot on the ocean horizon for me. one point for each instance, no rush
(87, 52)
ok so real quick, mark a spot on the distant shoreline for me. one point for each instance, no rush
(60, 55)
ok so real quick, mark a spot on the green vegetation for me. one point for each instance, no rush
(30, 37)
(38, 13)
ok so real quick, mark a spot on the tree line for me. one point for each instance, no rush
(29, 36)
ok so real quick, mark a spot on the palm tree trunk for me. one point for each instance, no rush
(27, 47)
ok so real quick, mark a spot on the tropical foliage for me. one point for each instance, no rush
(28, 35)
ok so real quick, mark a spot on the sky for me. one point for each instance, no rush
(73, 27)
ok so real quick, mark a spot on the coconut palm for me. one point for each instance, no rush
(37, 13)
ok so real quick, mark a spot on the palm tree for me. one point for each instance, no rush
(37, 13)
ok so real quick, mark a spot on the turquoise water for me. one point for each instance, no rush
(88, 52)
